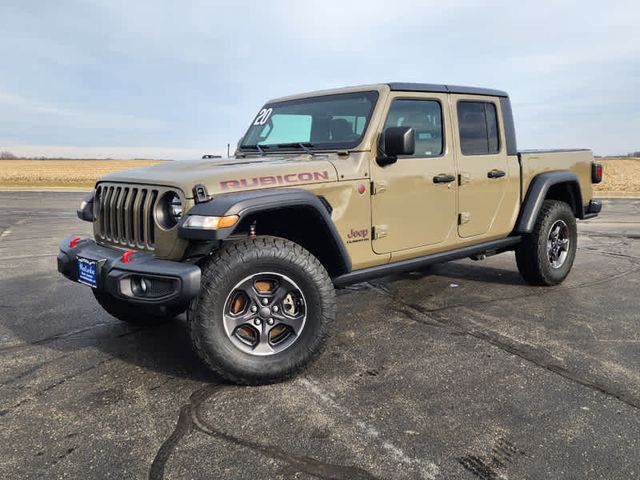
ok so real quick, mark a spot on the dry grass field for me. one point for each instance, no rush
(61, 174)
(621, 175)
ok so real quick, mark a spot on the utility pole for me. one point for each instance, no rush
(228, 147)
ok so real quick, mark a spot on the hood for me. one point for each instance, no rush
(231, 174)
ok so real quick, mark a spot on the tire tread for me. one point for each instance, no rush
(531, 253)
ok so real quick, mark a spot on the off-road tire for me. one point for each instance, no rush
(531, 254)
(135, 314)
(222, 271)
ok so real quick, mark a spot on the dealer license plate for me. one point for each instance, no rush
(88, 271)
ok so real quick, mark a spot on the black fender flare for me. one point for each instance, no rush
(262, 201)
(537, 193)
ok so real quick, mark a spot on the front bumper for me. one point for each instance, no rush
(166, 282)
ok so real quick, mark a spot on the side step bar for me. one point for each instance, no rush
(365, 274)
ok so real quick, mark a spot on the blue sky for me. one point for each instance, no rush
(172, 79)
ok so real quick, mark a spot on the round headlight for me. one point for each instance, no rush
(169, 210)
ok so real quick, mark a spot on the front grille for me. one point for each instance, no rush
(125, 215)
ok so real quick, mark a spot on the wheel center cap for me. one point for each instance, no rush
(265, 312)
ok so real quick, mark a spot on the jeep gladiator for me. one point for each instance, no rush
(325, 189)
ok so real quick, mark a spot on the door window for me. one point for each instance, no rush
(425, 117)
(478, 127)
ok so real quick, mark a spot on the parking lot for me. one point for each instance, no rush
(461, 371)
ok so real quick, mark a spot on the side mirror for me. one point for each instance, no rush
(395, 141)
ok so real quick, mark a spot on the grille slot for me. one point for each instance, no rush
(126, 215)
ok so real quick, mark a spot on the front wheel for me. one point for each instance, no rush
(546, 255)
(264, 312)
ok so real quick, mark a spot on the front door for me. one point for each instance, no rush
(413, 200)
(482, 164)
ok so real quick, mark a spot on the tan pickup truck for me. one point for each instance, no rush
(325, 189)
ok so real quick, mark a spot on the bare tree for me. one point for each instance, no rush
(7, 156)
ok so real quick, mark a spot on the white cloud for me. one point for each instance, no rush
(192, 73)
(75, 117)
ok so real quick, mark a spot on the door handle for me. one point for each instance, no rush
(495, 173)
(443, 178)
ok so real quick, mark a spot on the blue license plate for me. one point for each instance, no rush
(88, 272)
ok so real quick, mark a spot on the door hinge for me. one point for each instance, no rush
(380, 231)
(464, 177)
(463, 218)
(378, 187)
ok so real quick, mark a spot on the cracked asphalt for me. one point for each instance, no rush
(458, 372)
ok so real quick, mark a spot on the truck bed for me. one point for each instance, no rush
(535, 162)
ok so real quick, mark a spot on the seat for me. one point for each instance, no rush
(341, 130)
(428, 139)
(428, 142)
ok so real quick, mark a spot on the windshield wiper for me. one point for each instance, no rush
(303, 145)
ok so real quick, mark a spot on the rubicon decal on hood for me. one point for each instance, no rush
(270, 180)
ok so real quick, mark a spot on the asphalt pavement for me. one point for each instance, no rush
(458, 372)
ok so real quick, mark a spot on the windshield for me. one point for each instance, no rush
(328, 122)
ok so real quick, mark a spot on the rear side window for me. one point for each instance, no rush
(425, 117)
(478, 124)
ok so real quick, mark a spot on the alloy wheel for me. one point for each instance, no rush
(264, 314)
(558, 243)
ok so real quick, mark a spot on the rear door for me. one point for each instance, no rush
(410, 209)
(482, 163)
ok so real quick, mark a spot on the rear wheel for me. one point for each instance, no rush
(546, 255)
(265, 310)
(135, 314)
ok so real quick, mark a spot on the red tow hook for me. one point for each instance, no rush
(74, 241)
(126, 256)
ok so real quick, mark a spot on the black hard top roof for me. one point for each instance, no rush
(430, 87)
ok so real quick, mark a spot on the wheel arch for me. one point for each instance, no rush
(559, 185)
(294, 214)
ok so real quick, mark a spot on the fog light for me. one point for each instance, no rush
(140, 286)
(148, 287)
